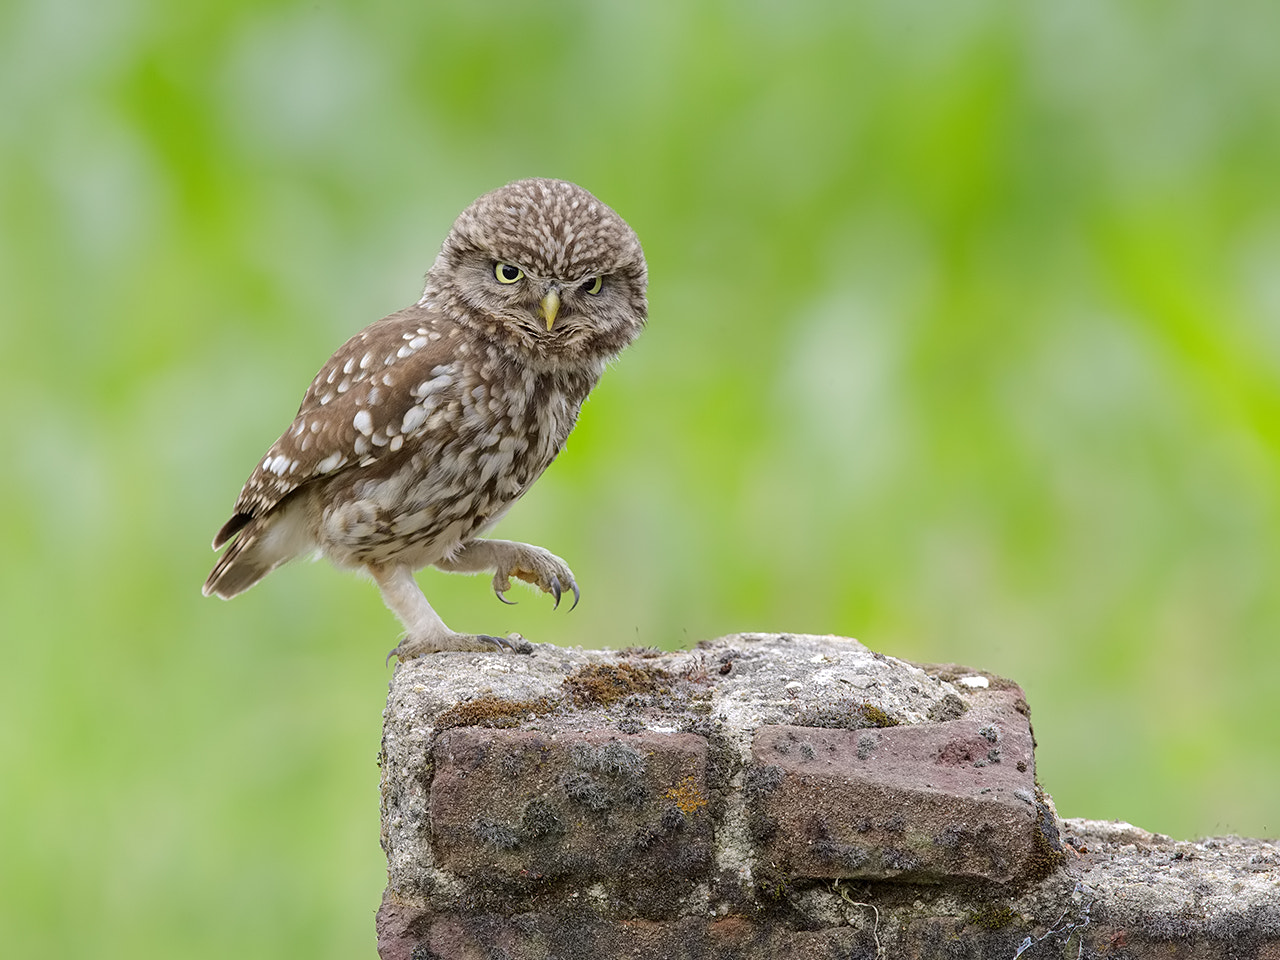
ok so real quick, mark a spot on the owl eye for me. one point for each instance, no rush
(592, 285)
(507, 273)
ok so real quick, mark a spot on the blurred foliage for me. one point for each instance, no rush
(965, 341)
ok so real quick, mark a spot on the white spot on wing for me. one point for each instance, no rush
(363, 421)
(435, 384)
(413, 418)
(281, 465)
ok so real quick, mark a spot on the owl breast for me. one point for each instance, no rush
(475, 448)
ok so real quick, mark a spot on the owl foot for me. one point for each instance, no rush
(412, 646)
(539, 567)
(425, 632)
(507, 559)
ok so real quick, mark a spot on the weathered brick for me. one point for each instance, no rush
(597, 806)
(921, 803)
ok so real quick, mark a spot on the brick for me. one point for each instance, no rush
(597, 806)
(916, 803)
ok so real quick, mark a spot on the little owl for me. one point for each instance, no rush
(425, 427)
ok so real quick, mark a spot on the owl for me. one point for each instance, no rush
(424, 428)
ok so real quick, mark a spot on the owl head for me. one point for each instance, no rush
(544, 267)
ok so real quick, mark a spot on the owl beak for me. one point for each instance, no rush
(550, 307)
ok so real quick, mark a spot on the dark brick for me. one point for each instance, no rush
(597, 806)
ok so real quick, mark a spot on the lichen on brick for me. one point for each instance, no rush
(672, 819)
(687, 795)
(846, 856)
(950, 707)
(587, 790)
(496, 835)
(613, 756)
(540, 820)
(762, 781)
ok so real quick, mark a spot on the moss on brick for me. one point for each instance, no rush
(845, 714)
(491, 711)
(991, 916)
(603, 684)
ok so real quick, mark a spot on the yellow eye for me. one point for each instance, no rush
(592, 285)
(507, 273)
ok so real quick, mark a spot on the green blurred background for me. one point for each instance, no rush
(965, 341)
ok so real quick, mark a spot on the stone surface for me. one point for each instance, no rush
(766, 796)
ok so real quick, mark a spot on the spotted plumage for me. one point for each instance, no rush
(424, 428)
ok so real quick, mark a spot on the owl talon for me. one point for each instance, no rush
(501, 595)
(557, 590)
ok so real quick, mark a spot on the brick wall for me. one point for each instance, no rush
(765, 796)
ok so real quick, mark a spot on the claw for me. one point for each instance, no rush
(496, 641)
(577, 595)
(499, 594)
(555, 591)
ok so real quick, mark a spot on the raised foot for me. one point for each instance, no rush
(537, 566)
(411, 647)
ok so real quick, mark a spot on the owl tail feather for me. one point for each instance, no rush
(262, 545)
(238, 569)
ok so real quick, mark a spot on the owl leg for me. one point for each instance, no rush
(425, 632)
(508, 559)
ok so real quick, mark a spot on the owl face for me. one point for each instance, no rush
(545, 265)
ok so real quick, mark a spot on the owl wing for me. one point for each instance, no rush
(375, 394)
